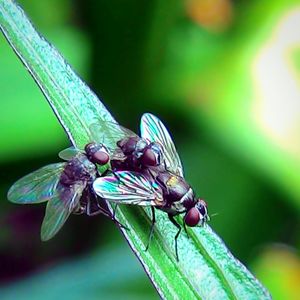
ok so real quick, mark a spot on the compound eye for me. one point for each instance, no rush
(192, 217)
(97, 153)
(149, 158)
(99, 157)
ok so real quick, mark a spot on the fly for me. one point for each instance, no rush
(66, 186)
(148, 172)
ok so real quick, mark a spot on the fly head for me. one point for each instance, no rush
(197, 214)
(152, 155)
(97, 153)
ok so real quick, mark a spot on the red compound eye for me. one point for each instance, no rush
(100, 158)
(149, 158)
(97, 153)
(192, 217)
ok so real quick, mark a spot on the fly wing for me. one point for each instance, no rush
(68, 153)
(59, 208)
(126, 187)
(109, 133)
(38, 186)
(153, 130)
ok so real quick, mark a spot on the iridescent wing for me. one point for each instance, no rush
(153, 130)
(59, 208)
(36, 187)
(69, 153)
(109, 133)
(126, 187)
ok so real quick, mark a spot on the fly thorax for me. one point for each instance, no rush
(175, 187)
(77, 169)
(129, 145)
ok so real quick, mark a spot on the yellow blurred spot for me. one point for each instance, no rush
(279, 269)
(214, 15)
(277, 85)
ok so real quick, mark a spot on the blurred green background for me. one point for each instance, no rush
(224, 76)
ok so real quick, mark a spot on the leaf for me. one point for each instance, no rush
(24, 135)
(206, 270)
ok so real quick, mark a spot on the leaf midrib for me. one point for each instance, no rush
(167, 250)
(214, 265)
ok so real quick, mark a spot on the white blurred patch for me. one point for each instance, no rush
(277, 84)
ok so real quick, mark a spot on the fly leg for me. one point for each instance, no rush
(152, 228)
(114, 210)
(109, 215)
(79, 210)
(100, 210)
(184, 226)
(113, 217)
(171, 218)
(103, 211)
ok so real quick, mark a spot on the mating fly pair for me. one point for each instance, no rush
(144, 171)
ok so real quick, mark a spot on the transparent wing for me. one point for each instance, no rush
(69, 153)
(153, 130)
(109, 133)
(36, 187)
(126, 187)
(59, 209)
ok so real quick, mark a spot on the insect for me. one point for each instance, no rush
(66, 186)
(126, 149)
(138, 153)
(151, 174)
